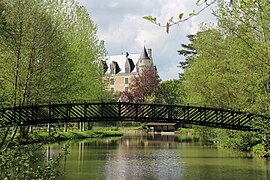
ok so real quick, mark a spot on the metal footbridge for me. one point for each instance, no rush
(120, 111)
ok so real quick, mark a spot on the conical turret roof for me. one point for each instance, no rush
(144, 54)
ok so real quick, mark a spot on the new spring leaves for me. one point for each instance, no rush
(175, 21)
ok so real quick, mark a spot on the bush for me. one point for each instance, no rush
(42, 136)
(258, 149)
(21, 162)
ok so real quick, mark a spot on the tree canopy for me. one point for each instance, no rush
(171, 92)
(49, 53)
(231, 67)
(144, 85)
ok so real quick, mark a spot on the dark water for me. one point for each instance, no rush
(158, 157)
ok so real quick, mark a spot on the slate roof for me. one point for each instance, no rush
(132, 65)
(144, 54)
(121, 60)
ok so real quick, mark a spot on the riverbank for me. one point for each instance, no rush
(55, 136)
(182, 135)
(236, 141)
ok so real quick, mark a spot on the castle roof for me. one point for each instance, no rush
(144, 54)
(121, 60)
(129, 63)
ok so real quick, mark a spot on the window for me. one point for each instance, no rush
(126, 89)
(112, 89)
(126, 80)
(127, 68)
(112, 67)
(111, 81)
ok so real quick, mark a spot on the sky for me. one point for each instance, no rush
(121, 26)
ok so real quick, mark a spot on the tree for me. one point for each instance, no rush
(171, 91)
(144, 85)
(189, 52)
(49, 53)
(31, 51)
(231, 68)
(84, 51)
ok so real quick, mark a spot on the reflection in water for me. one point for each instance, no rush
(158, 157)
(140, 164)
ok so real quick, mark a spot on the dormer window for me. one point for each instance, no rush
(112, 67)
(115, 68)
(129, 65)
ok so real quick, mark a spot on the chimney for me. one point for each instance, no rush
(149, 52)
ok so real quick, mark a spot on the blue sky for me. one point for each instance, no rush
(121, 26)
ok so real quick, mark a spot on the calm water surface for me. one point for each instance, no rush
(158, 157)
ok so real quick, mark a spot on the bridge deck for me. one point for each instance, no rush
(119, 111)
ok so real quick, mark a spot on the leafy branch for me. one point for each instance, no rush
(172, 22)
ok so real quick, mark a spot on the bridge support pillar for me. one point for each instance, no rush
(81, 126)
(65, 127)
(49, 129)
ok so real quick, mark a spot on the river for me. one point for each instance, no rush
(157, 157)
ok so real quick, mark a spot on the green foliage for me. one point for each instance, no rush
(206, 134)
(171, 22)
(25, 162)
(238, 140)
(258, 150)
(171, 92)
(181, 16)
(189, 52)
(187, 135)
(231, 68)
(41, 136)
(49, 52)
(150, 18)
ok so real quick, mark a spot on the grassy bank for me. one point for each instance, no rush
(229, 139)
(186, 135)
(43, 136)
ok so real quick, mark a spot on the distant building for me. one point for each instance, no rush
(122, 68)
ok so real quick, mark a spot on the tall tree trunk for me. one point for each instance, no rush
(25, 129)
(18, 61)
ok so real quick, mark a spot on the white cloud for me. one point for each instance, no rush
(168, 72)
(121, 26)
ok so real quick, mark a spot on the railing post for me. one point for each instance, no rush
(170, 112)
(137, 111)
(20, 114)
(32, 113)
(119, 110)
(13, 115)
(153, 110)
(67, 111)
(85, 110)
(188, 112)
(102, 109)
(205, 113)
(50, 117)
(222, 118)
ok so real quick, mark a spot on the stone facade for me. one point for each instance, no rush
(122, 68)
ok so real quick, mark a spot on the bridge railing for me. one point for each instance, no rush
(119, 111)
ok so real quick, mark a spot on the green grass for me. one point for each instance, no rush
(41, 136)
(186, 131)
